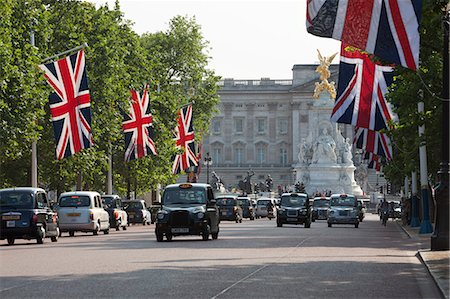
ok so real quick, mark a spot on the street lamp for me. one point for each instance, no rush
(207, 162)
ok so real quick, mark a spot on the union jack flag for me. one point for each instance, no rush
(373, 161)
(387, 28)
(70, 104)
(184, 140)
(361, 89)
(138, 127)
(374, 142)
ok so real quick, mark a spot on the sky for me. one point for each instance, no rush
(248, 39)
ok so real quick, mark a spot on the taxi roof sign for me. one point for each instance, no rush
(185, 186)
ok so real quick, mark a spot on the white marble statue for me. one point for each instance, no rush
(325, 150)
(347, 154)
(304, 154)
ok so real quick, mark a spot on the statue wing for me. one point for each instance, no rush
(330, 59)
(320, 55)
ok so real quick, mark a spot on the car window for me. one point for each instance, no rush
(293, 201)
(108, 202)
(16, 198)
(243, 202)
(343, 201)
(184, 196)
(41, 200)
(262, 202)
(227, 201)
(321, 203)
(74, 201)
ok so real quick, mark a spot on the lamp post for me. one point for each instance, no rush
(207, 162)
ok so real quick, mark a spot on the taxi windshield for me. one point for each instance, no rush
(191, 195)
(348, 201)
(321, 203)
(293, 201)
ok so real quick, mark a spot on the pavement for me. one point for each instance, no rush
(437, 262)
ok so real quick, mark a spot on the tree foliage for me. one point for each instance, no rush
(404, 95)
(117, 59)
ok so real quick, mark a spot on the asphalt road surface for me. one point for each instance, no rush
(253, 259)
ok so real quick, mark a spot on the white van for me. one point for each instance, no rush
(82, 211)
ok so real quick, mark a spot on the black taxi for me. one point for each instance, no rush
(25, 214)
(187, 209)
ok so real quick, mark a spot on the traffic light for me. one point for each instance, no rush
(388, 188)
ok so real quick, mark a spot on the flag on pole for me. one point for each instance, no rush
(184, 140)
(70, 104)
(373, 161)
(387, 28)
(374, 142)
(361, 90)
(138, 127)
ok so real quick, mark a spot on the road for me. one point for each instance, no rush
(253, 259)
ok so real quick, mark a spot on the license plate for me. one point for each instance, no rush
(177, 230)
(11, 217)
(224, 212)
(131, 216)
(73, 214)
(10, 223)
(292, 219)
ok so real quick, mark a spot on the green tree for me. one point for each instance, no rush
(22, 95)
(404, 95)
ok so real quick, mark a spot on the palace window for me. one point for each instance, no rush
(283, 126)
(216, 125)
(239, 125)
(283, 156)
(261, 125)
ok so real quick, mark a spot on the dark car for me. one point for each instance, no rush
(187, 209)
(137, 211)
(248, 210)
(25, 214)
(294, 208)
(229, 208)
(118, 217)
(320, 208)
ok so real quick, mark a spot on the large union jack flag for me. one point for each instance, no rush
(387, 28)
(362, 86)
(184, 140)
(70, 104)
(138, 127)
(374, 142)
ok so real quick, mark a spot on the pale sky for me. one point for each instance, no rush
(249, 39)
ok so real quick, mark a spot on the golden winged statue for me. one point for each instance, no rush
(322, 69)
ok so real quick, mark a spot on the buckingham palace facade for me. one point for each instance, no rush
(259, 127)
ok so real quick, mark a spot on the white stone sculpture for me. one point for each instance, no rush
(325, 150)
(347, 154)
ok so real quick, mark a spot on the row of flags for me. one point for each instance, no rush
(71, 116)
(370, 30)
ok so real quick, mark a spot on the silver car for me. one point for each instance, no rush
(343, 210)
(82, 211)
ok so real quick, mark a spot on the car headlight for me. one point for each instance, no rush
(161, 215)
(331, 212)
(200, 215)
(281, 210)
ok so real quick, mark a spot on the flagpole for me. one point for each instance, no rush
(34, 179)
(84, 45)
